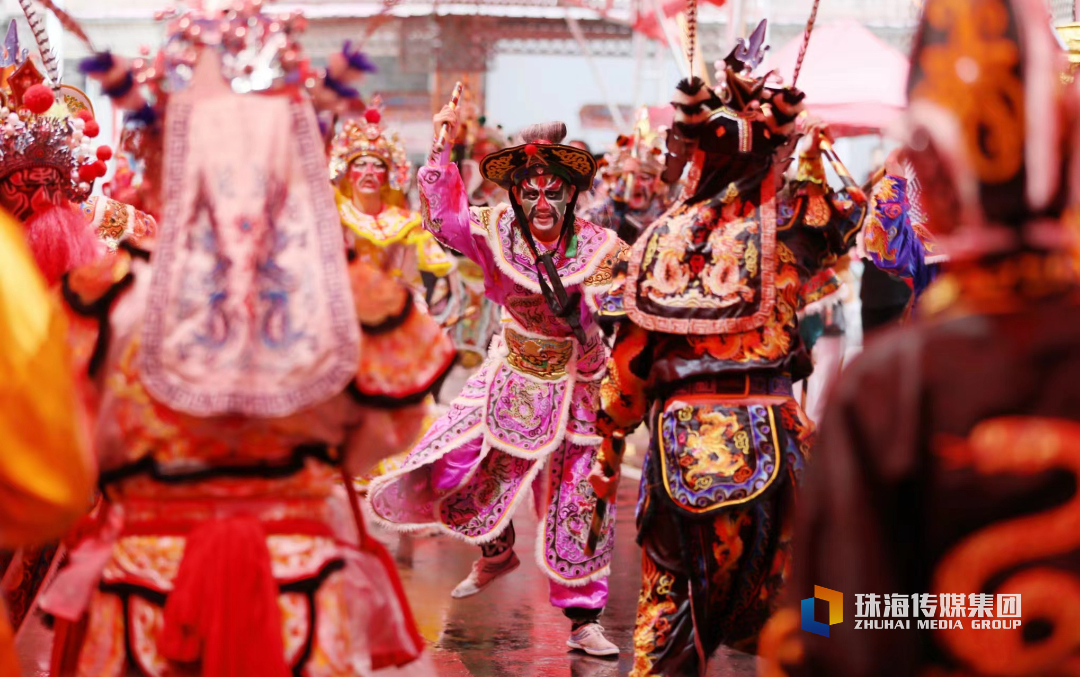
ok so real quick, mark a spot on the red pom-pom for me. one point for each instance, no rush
(87, 173)
(530, 149)
(373, 116)
(38, 99)
(85, 115)
(92, 129)
(104, 153)
(100, 168)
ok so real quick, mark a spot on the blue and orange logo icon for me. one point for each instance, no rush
(836, 610)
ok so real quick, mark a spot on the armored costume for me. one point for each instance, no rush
(235, 376)
(707, 348)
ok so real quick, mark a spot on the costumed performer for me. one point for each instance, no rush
(707, 349)
(527, 419)
(237, 374)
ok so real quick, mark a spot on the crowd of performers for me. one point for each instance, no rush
(254, 344)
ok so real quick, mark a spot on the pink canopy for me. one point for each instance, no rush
(853, 80)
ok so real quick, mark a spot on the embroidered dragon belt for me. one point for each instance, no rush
(543, 357)
(722, 443)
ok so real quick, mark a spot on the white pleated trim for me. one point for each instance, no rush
(822, 303)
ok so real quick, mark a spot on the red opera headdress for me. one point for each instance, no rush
(367, 137)
(43, 125)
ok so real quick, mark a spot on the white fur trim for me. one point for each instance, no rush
(585, 440)
(379, 482)
(507, 516)
(504, 265)
(821, 303)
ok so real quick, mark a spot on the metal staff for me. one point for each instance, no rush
(442, 137)
(611, 453)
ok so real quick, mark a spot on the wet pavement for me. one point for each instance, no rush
(510, 630)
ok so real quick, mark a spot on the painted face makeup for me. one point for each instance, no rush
(644, 190)
(544, 200)
(21, 189)
(368, 174)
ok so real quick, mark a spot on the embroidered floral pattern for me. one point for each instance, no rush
(478, 509)
(690, 272)
(655, 613)
(544, 358)
(522, 415)
(571, 504)
(103, 653)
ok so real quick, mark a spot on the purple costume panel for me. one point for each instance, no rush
(896, 239)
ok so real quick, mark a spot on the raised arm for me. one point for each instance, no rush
(835, 216)
(444, 202)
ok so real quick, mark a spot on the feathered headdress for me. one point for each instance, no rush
(44, 123)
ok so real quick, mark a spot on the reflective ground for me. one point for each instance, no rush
(509, 629)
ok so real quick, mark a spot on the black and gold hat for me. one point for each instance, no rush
(540, 152)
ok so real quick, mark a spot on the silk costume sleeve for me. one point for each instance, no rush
(430, 257)
(115, 221)
(46, 471)
(890, 238)
(445, 208)
(818, 288)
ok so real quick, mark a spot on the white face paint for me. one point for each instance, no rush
(544, 199)
(368, 174)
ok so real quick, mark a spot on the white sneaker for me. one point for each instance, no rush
(484, 572)
(590, 639)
